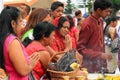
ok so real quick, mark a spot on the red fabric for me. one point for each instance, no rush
(58, 44)
(55, 21)
(36, 47)
(91, 44)
(72, 32)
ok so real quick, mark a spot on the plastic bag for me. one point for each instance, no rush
(66, 60)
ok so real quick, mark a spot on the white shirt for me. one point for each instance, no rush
(118, 29)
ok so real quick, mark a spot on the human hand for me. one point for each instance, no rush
(68, 42)
(106, 56)
(34, 58)
(2, 74)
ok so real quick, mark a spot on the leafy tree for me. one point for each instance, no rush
(89, 6)
(116, 6)
(69, 7)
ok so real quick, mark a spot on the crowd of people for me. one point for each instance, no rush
(28, 39)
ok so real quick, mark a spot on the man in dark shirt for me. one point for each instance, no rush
(91, 43)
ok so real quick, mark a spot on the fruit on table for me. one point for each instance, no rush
(100, 77)
(110, 77)
(74, 65)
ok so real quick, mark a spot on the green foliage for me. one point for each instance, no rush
(89, 7)
(69, 7)
(116, 6)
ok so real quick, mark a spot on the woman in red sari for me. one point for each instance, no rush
(73, 31)
(63, 41)
(43, 34)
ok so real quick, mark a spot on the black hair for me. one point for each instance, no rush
(108, 21)
(77, 13)
(7, 15)
(56, 4)
(112, 18)
(41, 29)
(102, 4)
(61, 21)
(70, 20)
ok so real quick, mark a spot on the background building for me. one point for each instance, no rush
(43, 3)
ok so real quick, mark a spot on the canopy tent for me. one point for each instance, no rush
(19, 2)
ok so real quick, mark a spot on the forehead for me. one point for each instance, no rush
(66, 23)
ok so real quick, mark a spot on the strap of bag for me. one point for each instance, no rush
(31, 76)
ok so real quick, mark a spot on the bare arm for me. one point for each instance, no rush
(18, 59)
(77, 36)
(44, 59)
(52, 52)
